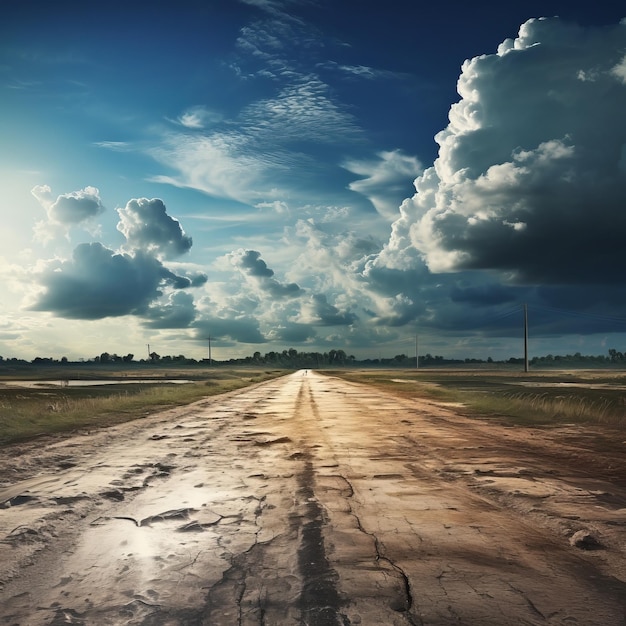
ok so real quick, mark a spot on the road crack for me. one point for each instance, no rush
(530, 603)
(407, 603)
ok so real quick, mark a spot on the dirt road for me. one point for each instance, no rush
(308, 500)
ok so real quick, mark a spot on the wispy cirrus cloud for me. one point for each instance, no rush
(115, 146)
(261, 155)
(302, 110)
(276, 7)
(360, 71)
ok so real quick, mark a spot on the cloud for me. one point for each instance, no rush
(198, 117)
(67, 210)
(250, 261)
(250, 264)
(198, 279)
(98, 282)
(318, 311)
(218, 164)
(147, 226)
(242, 329)
(530, 178)
(291, 333)
(274, 7)
(115, 146)
(302, 110)
(70, 208)
(385, 181)
(277, 137)
(178, 312)
(619, 71)
(279, 207)
(257, 161)
(359, 71)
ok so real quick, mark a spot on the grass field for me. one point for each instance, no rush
(540, 398)
(533, 398)
(47, 406)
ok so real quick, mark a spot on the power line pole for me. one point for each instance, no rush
(525, 337)
(417, 358)
(209, 340)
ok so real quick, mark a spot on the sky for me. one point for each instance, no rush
(312, 174)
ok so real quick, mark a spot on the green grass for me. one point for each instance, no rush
(26, 413)
(534, 398)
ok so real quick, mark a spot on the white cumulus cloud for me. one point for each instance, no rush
(66, 210)
(530, 176)
(147, 226)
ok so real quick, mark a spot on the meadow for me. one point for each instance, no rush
(39, 401)
(539, 398)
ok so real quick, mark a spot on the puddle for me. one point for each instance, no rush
(33, 384)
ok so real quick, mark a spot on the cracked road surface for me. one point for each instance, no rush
(308, 500)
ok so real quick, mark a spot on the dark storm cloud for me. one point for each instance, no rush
(463, 303)
(327, 314)
(290, 332)
(178, 312)
(98, 282)
(243, 329)
(147, 226)
(484, 295)
(531, 174)
(198, 279)
(281, 290)
(250, 263)
(253, 264)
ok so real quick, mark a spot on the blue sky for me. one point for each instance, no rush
(312, 174)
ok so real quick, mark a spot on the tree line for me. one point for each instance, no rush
(292, 358)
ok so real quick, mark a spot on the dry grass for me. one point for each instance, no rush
(30, 412)
(537, 398)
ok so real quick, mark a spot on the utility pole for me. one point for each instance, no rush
(417, 358)
(209, 340)
(525, 337)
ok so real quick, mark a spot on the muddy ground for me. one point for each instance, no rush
(307, 500)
